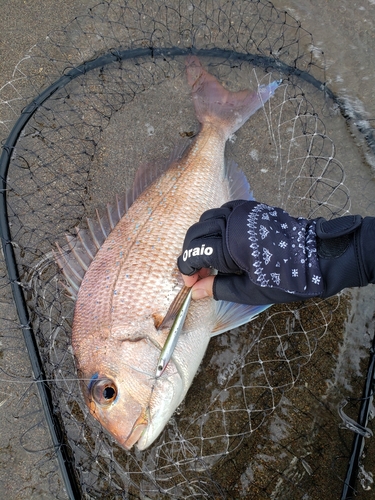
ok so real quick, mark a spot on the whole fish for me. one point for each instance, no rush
(122, 272)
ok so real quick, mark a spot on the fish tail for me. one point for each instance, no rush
(216, 105)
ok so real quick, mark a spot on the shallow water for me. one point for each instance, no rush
(344, 44)
(343, 30)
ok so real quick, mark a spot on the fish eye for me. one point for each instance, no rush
(104, 391)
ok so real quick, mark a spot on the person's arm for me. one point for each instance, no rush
(264, 256)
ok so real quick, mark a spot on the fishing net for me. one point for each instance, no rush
(93, 102)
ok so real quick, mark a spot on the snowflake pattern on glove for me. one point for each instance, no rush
(284, 251)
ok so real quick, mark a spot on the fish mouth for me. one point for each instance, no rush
(138, 428)
(166, 396)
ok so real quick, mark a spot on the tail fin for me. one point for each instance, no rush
(214, 104)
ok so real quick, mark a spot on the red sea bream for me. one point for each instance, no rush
(124, 277)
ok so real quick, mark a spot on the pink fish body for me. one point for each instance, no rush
(132, 279)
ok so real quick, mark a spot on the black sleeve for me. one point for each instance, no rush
(346, 254)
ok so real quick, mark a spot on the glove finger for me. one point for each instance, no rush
(215, 213)
(223, 212)
(229, 206)
(201, 253)
(200, 230)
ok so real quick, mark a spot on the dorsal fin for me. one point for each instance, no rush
(75, 257)
(148, 172)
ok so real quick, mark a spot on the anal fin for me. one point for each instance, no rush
(230, 315)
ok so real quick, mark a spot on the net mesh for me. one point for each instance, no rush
(260, 420)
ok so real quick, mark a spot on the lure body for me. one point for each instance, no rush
(173, 336)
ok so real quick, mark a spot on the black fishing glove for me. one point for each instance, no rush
(264, 256)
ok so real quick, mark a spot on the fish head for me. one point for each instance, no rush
(122, 415)
(120, 388)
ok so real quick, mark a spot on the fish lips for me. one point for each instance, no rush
(138, 429)
(167, 394)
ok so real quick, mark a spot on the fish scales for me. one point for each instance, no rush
(145, 239)
(133, 278)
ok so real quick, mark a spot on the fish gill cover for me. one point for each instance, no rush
(261, 418)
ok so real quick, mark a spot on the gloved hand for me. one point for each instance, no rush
(205, 245)
(264, 256)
